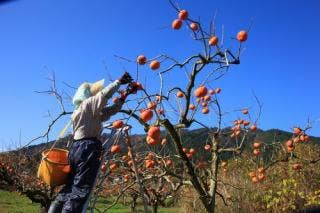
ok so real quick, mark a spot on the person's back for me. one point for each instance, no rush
(85, 151)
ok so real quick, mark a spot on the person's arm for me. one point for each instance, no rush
(99, 100)
(109, 111)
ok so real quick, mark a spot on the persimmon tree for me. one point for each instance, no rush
(208, 65)
(17, 174)
(159, 165)
(151, 110)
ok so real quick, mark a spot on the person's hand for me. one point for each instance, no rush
(134, 87)
(125, 78)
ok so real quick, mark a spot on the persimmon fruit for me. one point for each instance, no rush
(117, 124)
(213, 40)
(141, 60)
(183, 14)
(154, 65)
(176, 24)
(242, 36)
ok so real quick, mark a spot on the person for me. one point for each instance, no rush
(85, 151)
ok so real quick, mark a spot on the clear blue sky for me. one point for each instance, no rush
(281, 61)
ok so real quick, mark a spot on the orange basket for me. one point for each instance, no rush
(54, 167)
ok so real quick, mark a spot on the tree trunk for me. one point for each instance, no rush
(155, 208)
(134, 167)
(133, 205)
(214, 172)
(190, 169)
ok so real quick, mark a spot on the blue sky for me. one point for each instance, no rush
(280, 63)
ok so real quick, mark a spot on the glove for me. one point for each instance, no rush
(134, 87)
(125, 78)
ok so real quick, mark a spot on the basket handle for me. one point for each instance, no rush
(61, 134)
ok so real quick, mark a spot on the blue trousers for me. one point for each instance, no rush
(84, 159)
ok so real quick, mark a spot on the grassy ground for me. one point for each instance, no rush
(11, 202)
(119, 208)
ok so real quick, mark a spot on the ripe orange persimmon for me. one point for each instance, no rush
(194, 26)
(253, 127)
(176, 24)
(207, 98)
(189, 155)
(304, 138)
(212, 92)
(200, 91)
(289, 143)
(117, 124)
(126, 178)
(255, 179)
(205, 110)
(192, 151)
(192, 107)
(256, 145)
(180, 94)
(149, 164)
(138, 85)
(169, 162)
(252, 174)
(115, 149)
(213, 40)
(146, 115)
(113, 166)
(297, 166)
(245, 111)
(256, 152)
(296, 139)
(204, 104)
(154, 132)
(297, 131)
(246, 123)
(290, 148)
(207, 147)
(183, 14)
(103, 168)
(141, 59)
(154, 64)
(152, 141)
(150, 156)
(218, 90)
(242, 36)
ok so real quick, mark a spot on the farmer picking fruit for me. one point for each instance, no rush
(84, 154)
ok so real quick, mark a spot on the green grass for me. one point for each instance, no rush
(119, 208)
(12, 202)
